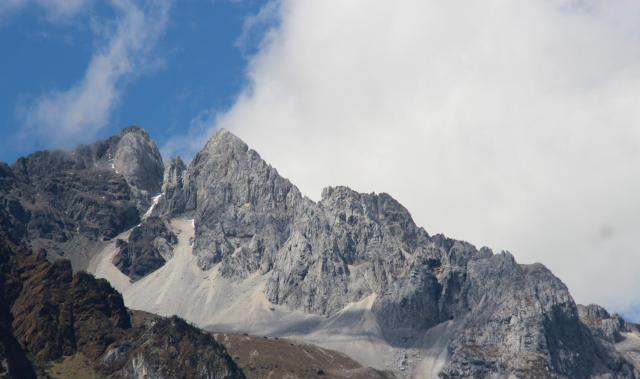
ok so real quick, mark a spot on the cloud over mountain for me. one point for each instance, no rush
(512, 124)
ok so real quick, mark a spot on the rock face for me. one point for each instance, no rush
(138, 159)
(149, 246)
(502, 319)
(349, 246)
(173, 185)
(48, 313)
(64, 201)
(14, 362)
(352, 266)
(604, 325)
(523, 320)
(243, 208)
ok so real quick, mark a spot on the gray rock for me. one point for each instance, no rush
(174, 200)
(241, 205)
(138, 159)
(148, 247)
(507, 320)
(502, 319)
(602, 323)
(49, 315)
(523, 322)
(65, 201)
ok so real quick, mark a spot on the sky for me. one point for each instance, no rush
(510, 124)
(77, 70)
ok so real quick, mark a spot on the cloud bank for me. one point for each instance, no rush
(509, 124)
(78, 113)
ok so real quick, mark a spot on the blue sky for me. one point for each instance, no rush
(196, 65)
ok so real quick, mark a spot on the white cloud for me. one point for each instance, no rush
(77, 114)
(514, 124)
(8, 7)
(55, 10)
(187, 144)
(62, 9)
(255, 26)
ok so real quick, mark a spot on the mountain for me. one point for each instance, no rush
(233, 247)
(69, 201)
(353, 272)
(55, 323)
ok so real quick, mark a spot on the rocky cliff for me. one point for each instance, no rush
(243, 209)
(352, 271)
(51, 317)
(502, 319)
(66, 201)
(148, 247)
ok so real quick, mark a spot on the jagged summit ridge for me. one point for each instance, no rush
(352, 271)
(242, 207)
(500, 317)
(134, 129)
(223, 140)
(138, 158)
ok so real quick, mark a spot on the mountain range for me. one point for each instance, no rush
(190, 257)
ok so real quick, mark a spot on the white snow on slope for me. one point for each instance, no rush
(210, 301)
(154, 202)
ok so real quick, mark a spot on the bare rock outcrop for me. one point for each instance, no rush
(507, 319)
(50, 314)
(148, 247)
(242, 207)
(603, 324)
(65, 201)
(174, 198)
(137, 157)
(493, 317)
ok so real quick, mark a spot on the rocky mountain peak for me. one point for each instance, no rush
(322, 257)
(240, 202)
(135, 129)
(353, 265)
(63, 200)
(222, 148)
(138, 159)
(603, 324)
(225, 141)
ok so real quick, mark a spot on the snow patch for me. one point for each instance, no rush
(154, 202)
(113, 165)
